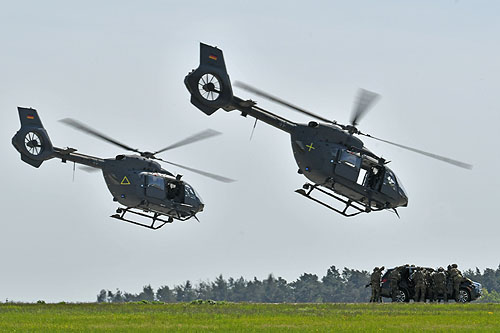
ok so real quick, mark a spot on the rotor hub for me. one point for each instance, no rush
(209, 87)
(351, 129)
(33, 143)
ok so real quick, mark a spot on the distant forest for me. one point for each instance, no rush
(346, 286)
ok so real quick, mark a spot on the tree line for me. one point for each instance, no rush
(346, 286)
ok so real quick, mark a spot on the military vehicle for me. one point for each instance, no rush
(469, 290)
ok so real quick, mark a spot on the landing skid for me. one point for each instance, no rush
(357, 206)
(120, 215)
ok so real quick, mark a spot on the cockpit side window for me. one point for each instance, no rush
(175, 191)
(401, 188)
(373, 178)
(189, 191)
(390, 180)
(389, 185)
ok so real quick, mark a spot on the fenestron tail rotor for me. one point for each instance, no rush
(209, 87)
(33, 143)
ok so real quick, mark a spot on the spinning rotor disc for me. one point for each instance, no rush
(33, 143)
(209, 87)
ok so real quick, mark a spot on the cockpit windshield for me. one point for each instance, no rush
(390, 180)
(402, 190)
(191, 193)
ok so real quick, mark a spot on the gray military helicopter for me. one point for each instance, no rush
(138, 182)
(327, 153)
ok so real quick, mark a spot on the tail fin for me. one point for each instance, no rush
(209, 84)
(32, 140)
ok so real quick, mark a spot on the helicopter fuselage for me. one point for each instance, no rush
(333, 158)
(327, 153)
(135, 181)
(328, 156)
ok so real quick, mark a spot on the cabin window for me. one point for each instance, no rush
(155, 187)
(350, 159)
(348, 165)
(156, 182)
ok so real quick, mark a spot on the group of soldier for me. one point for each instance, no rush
(427, 281)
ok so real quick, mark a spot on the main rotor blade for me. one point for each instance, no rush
(84, 128)
(431, 155)
(200, 172)
(279, 101)
(363, 102)
(208, 133)
(89, 169)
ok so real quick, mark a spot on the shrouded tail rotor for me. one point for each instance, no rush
(209, 84)
(32, 140)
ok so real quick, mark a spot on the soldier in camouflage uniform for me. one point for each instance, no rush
(428, 282)
(449, 283)
(419, 279)
(394, 278)
(456, 278)
(375, 283)
(439, 282)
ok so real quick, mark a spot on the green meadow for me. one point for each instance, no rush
(234, 317)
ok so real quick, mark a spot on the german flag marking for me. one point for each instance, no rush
(30, 117)
(212, 57)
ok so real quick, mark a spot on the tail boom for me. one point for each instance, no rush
(33, 143)
(210, 89)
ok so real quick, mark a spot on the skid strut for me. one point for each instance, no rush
(120, 215)
(359, 207)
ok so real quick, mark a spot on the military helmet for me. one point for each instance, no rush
(441, 269)
(375, 269)
(454, 266)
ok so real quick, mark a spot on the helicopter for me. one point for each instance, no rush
(328, 154)
(136, 181)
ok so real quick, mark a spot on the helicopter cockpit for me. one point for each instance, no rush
(381, 179)
(165, 187)
(366, 171)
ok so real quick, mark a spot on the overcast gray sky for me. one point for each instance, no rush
(119, 66)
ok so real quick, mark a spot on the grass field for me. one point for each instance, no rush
(248, 317)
